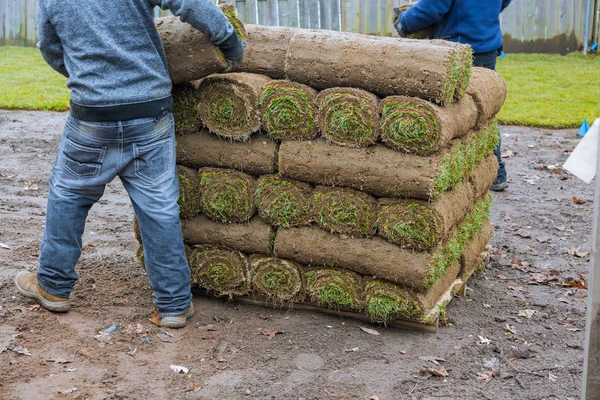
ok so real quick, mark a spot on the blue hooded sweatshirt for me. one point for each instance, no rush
(473, 22)
(112, 54)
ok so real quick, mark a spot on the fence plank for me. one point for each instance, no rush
(272, 13)
(283, 14)
(325, 14)
(293, 13)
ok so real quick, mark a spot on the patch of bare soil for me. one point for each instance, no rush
(518, 333)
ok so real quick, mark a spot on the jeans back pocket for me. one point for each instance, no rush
(153, 162)
(83, 161)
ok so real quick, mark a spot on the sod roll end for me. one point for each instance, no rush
(226, 195)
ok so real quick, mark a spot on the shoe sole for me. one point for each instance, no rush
(176, 322)
(499, 188)
(60, 307)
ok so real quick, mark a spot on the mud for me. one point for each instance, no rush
(317, 356)
(257, 156)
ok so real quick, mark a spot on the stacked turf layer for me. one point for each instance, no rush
(385, 214)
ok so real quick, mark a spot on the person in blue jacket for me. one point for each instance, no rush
(120, 124)
(472, 22)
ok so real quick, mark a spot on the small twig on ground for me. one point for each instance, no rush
(414, 387)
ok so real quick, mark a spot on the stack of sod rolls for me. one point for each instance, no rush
(343, 190)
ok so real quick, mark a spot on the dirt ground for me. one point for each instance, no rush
(518, 333)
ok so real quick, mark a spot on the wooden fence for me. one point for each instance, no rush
(554, 26)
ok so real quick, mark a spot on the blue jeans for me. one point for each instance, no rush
(90, 155)
(488, 60)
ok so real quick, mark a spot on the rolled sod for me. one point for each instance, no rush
(288, 110)
(190, 54)
(266, 49)
(488, 90)
(189, 192)
(386, 301)
(377, 170)
(228, 104)
(464, 58)
(335, 288)
(421, 225)
(344, 211)
(418, 126)
(381, 65)
(226, 195)
(185, 112)
(377, 257)
(256, 156)
(475, 251)
(252, 237)
(283, 202)
(220, 270)
(279, 280)
(479, 145)
(348, 116)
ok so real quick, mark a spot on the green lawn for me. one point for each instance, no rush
(550, 90)
(543, 89)
(28, 83)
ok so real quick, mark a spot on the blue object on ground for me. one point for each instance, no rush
(583, 128)
(111, 329)
(594, 46)
(502, 55)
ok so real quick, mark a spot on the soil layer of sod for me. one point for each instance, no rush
(417, 126)
(226, 195)
(228, 104)
(344, 211)
(288, 110)
(283, 202)
(221, 270)
(348, 116)
(189, 192)
(256, 156)
(376, 256)
(393, 67)
(255, 236)
(266, 49)
(279, 280)
(475, 251)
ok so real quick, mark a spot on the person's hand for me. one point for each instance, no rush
(233, 50)
(397, 24)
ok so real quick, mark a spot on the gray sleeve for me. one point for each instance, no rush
(203, 15)
(49, 43)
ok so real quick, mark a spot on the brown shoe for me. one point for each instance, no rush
(27, 284)
(179, 320)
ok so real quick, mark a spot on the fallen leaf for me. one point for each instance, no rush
(575, 252)
(563, 300)
(369, 331)
(577, 200)
(196, 386)
(526, 313)
(271, 334)
(132, 352)
(523, 233)
(30, 186)
(433, 359)
(165, 338)
(155, 318)
(574, 283)
(402, 351)
(439, 371)
(485, 376)
(507, 154)
(543, 239)
(581, 293)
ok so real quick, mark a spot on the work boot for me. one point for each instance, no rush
(499, 186)
(28, 286)
(177, 321)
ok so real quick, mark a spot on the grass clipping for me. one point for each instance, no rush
(279, 280)
(344, 211)
(348, 116)
(283, 202)
(288, 110)
(335, 288)
(228, 104)
(226, 195)
(220, 270)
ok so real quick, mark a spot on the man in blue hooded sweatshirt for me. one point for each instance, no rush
(120, 124)
(472, 22)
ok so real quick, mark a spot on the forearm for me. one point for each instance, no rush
(49, 43)
(203, 15)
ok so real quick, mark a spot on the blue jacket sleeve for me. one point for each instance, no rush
(505, 4)
(49, 42)
(424, 13)
(203, 15)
